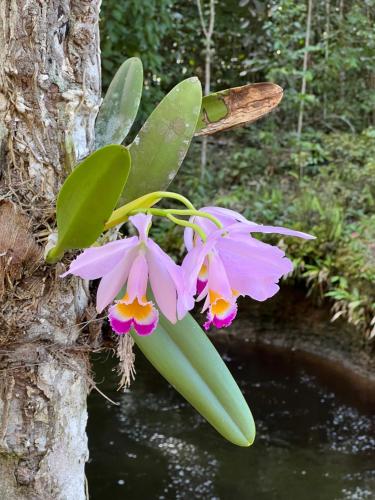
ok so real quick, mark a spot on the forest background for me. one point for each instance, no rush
(310, 164)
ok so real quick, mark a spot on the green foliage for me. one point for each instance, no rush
(160, 147)
(120, 104)
(184, 355)
(324, 182)
(88, 197)
(165, 34)
(254, 41)
(136, 28)
(340, 88)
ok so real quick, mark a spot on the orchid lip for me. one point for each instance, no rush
(140, 315)
(221, 311)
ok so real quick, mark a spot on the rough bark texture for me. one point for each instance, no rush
(49, 97)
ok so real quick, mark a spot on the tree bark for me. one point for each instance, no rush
(341, 27)
(305, 62)
(208, 33)
(326, 53)
(49, 97)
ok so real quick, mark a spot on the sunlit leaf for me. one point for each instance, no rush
(120, 104)
(237, 106)
(184, 355)
(88, 197)
(160, 147)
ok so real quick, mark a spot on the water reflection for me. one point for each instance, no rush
(312, 443)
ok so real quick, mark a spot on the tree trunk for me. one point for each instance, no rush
(326, 55)
(305, 62)
(207, 32)
(342, 72)
(49, 97)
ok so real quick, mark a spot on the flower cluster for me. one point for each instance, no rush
(223, 261)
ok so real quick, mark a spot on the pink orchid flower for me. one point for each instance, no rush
(231, 263)
(133, 262)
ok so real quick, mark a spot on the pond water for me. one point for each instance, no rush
(315, 436)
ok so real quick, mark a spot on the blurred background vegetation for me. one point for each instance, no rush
(310, 164)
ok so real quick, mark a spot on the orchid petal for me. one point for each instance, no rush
(226, 216)
(125, 314)
(201, 286)
(118, 326)
(112, 282)
(173, 269)
(192, 263)
(229, 217)
(262, 289)
(223, 320)
(217, 277)
(252, 270)
(147, 328)
(188, 236)
(258, 228)
(96, 262)
(206, 304)
(142, 223)
(261, 260)
(138, 277)
(162, 284)
(160, 263)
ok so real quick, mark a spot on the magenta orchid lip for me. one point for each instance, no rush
(223, 262)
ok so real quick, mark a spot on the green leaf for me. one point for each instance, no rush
(184, 355)
(161, 145)
(88, 197)
(237, 106)
(120, 104)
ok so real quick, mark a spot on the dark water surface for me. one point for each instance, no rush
(315, 440)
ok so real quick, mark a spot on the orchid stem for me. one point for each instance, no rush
(171, 211)
(184, 223)
(121, 215)
(168, 213)
(173, 196)
(197, 213)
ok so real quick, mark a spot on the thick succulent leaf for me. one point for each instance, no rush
(88, 197)
(184, 355)
(161, 145)
(237, 106)
(120, 104)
